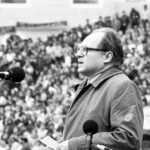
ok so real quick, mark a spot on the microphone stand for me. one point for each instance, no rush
(88, 141)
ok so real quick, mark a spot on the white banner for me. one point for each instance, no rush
(60, 25)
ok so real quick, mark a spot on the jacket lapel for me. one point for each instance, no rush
(80, 89)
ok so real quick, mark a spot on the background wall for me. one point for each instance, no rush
(47, 11)
(41, 11)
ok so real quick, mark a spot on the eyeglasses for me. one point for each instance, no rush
(84, 50)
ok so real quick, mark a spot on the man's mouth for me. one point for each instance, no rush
(80, 62)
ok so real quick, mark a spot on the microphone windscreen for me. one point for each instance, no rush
(17, 74)
(90, 126)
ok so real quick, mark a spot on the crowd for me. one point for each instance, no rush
(37, 106)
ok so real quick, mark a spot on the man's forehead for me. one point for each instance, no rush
(94, 39)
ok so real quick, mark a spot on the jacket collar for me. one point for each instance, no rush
(102, 76)
(106, 74)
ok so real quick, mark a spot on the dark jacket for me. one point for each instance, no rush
(114, 102)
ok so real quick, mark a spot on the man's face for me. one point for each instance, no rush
(93, 61)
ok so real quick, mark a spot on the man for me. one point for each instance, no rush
(125, 21)
(109, 97)
(145, 16)
(134, 18)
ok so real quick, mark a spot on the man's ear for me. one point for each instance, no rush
(108, 57)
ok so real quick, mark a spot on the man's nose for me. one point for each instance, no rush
(79, 54)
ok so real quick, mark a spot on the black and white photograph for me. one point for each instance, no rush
(74, 74)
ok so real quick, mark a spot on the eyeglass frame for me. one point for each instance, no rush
(86, 49)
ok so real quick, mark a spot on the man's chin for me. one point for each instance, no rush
(81, 71)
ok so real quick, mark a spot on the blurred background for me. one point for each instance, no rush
(41, 37)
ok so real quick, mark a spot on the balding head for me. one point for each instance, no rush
(110, 42)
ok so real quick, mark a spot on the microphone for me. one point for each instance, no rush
(90, 127)
(15, 74)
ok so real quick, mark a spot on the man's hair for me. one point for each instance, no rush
(111, 42)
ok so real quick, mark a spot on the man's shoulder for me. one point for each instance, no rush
(120, 79)
(121, 83)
